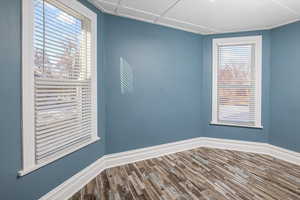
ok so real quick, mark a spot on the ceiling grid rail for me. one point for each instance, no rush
(167, 10)
(116, 11)
(171, 13)
(286, 7)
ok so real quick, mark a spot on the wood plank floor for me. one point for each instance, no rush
(199, 174)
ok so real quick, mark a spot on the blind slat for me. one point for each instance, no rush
(61, 125)
(236, 84)
(61, 142)
(67, 145)
(43, 142)
(63, 109)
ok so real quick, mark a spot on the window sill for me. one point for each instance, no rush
(235, 125)
(29, 170)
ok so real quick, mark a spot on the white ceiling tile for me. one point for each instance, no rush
(108, 7)
(104, 3)
(231, 14)
(294, 5)
(136, 14)
(96, 3)
(183, 26)
(207, 16)
(153, 6)
(112, 1)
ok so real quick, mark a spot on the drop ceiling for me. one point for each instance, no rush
(207, 16)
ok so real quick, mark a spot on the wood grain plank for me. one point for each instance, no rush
(198, 174)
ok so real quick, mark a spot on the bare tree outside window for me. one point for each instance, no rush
(62, 80)
(235, 85)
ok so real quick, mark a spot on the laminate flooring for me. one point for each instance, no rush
(198, 174)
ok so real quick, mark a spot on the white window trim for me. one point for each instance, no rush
(257, 40)
(28, 151)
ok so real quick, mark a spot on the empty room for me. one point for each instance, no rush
(150, 99)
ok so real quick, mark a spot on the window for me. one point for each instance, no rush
(59, 80)
(237, 81)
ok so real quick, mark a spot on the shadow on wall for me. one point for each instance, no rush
(126, 77)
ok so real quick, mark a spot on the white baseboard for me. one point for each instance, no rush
(284, 154)
(253, 147)
(76, 182)
(131, 156)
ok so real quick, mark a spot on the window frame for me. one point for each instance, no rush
(257, 41)
(28, 134)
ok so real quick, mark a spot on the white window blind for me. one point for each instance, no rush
(236, 91)
(64, 85)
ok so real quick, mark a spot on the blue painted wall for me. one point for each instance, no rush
(164, 104)
(285, 87)
(156, 83)
(36, 184)
(227, 132)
